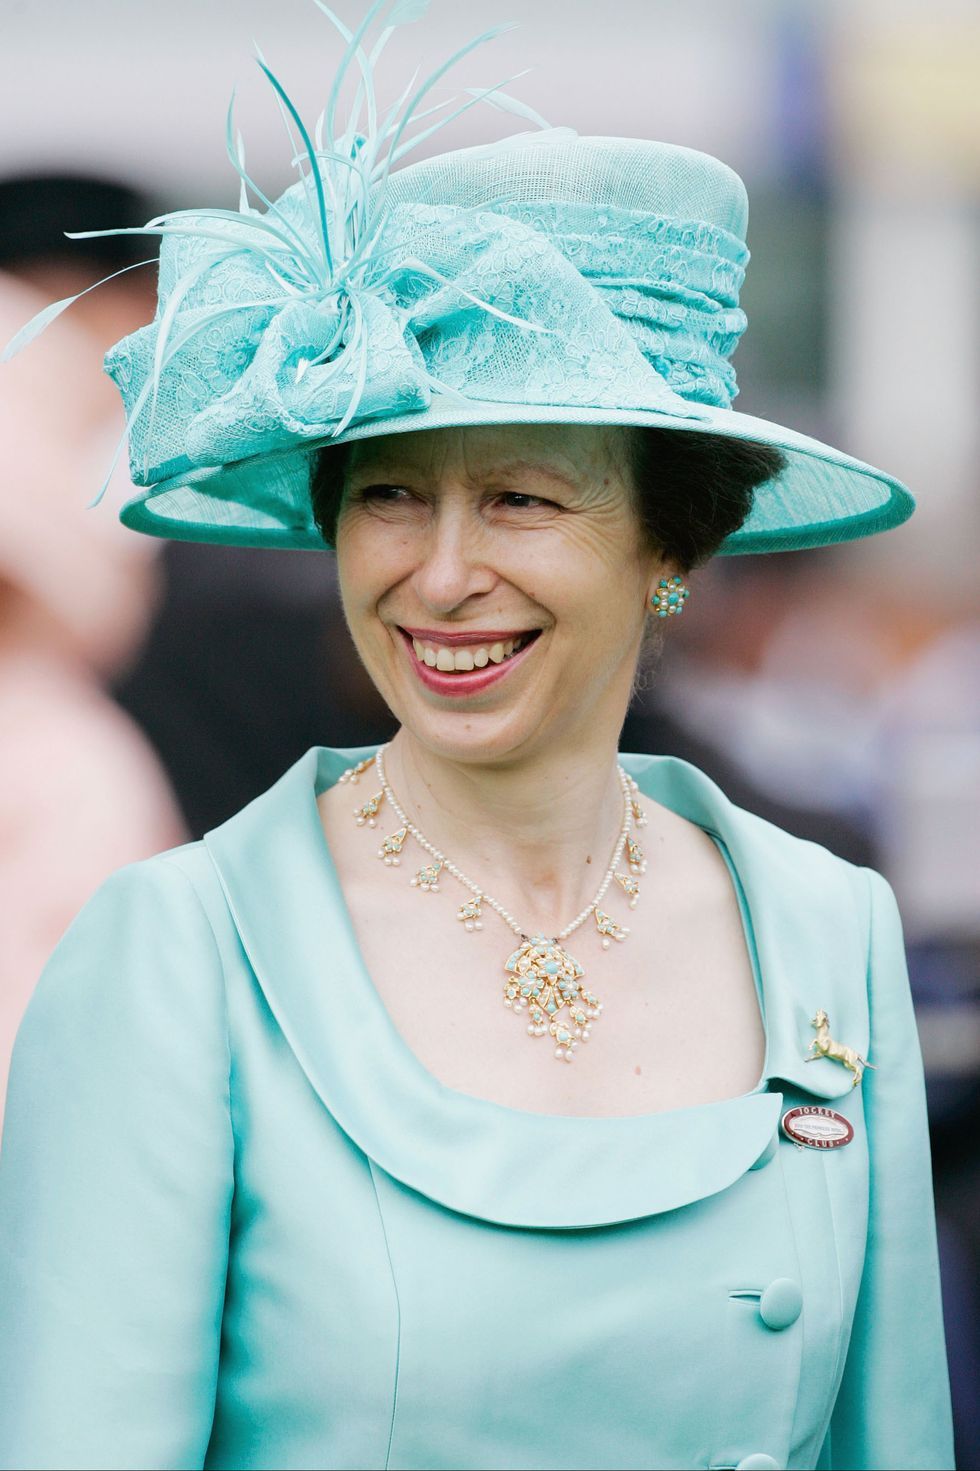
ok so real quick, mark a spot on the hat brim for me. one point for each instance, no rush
(822, 497)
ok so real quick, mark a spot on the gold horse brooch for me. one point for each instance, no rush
(823, 1045)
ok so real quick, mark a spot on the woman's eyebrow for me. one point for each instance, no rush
(535, 467)
(393, 472)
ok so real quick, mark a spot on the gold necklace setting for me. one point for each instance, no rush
(542, 978)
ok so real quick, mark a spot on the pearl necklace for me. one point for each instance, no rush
(542, 976)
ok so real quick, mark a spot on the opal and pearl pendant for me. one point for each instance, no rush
(546, 980)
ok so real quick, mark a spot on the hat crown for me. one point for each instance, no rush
(658, 179)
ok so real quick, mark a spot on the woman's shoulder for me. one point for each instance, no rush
(190, 874)
(136, 983)
(755, 843)
(183, 907)
(152, 893)
(146, 917)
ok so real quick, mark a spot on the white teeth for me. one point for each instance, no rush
(479, 656)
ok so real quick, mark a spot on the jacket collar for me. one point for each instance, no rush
(809, 917)
(284, 896)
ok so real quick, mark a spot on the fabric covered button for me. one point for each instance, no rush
(780, 1306)
(758, 1461)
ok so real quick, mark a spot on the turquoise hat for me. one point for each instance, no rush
(548, 278)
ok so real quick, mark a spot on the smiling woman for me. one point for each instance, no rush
(290, 1175)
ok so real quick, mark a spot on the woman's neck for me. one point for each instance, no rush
(538, 834)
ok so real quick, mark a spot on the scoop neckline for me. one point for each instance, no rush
(411, 1058)
(469, 1154)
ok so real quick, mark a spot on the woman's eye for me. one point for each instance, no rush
(384, 493)
(518, 500)
(382, 497)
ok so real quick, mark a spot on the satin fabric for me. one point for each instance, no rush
(242, 1226)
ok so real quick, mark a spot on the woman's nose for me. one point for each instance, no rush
(452, 562)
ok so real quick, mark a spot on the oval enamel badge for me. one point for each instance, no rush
(817, 1127)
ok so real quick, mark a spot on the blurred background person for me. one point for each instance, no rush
(82, 791)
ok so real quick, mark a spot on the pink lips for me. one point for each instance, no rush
(463, 682)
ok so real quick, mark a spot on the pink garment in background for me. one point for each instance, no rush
(81, 792)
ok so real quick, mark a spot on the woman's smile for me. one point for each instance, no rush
(461, 664)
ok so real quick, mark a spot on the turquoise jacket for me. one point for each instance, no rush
(242, 1226)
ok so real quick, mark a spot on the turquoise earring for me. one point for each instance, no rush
(670, 597)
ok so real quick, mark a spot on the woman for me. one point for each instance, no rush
(284, 1184)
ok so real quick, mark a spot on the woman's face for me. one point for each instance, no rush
(495, 581)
